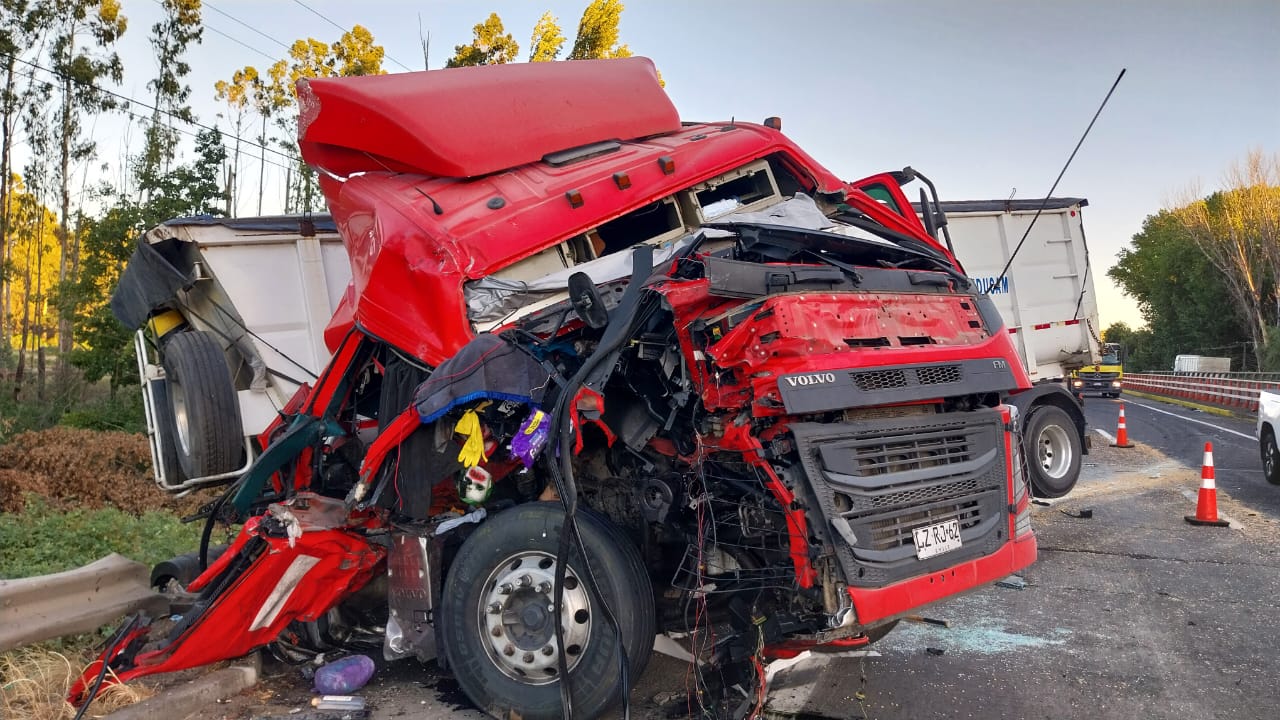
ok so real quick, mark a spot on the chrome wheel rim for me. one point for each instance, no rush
(1054, 448)
(181, 420)
(515, 615)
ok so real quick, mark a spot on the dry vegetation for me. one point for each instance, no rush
(84, 469)
(34, 683)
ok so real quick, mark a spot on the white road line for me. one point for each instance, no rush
(1246, 436)
(1106, 435)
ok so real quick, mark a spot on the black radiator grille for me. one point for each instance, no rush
(887, 477)
(912, 453)
(895, 532)
(1098, 375)
(879, 379)
(888, 379)
(938, 374)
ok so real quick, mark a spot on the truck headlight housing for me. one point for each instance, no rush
(1115, 383)
(1077, 383)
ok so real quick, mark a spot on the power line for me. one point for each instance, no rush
(153, 108)
(322, 16)
(244, 24)
(235, 40)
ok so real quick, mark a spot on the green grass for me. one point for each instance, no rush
(42, 540)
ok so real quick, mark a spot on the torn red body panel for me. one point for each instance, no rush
(259, 586)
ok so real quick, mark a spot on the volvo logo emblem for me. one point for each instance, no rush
(812, 379)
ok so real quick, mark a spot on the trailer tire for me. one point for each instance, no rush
(203, 413)
(1053, 451)
(497, 643)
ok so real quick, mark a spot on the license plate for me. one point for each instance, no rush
(937, 539)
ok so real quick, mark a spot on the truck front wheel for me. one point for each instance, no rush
(1053, 451)
(496, 614)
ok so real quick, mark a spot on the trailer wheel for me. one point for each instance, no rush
(1270, 456)
(1053, 450)
(203, 417)
(499, 635)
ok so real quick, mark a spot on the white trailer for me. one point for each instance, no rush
(1046, 298)
(1201, 364)
(236, 311)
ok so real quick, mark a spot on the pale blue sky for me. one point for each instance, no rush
(982, 96)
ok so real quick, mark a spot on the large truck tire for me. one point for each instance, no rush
(1053, 451)
(498, 634)
(203, 413)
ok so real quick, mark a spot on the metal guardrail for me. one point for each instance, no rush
(76, 601)
(1232, 390)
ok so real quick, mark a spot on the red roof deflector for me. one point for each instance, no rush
(464, 122)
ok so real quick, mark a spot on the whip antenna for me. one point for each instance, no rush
(1044, 203)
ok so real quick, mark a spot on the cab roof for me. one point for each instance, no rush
(467, 122)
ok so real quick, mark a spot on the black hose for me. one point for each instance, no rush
(207, 533)
(617, 333)
(112, 647)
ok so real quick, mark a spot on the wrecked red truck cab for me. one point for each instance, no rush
(600, 374)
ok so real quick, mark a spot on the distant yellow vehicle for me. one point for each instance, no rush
(1106, 377)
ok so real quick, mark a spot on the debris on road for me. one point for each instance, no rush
(1013, 582)
(935, 651)
(929, 620)
(1085, 514)
(344, 676)
(338, 702)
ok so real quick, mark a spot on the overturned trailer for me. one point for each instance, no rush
(600, 374)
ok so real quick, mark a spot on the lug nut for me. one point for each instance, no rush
(496, 632)
(525, 581)
(495, 608)
(527, 657)
(508, 651)
(544, 587)
(547, 650)
(505, 589)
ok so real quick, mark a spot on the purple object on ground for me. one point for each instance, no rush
(531, 436)
(344, 676)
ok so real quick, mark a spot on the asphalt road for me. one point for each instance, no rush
(1128, 613)
(1180, 433)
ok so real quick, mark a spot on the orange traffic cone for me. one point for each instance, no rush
(1207, 505)
(1122, 434)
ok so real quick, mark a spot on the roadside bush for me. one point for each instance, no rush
(1271, 351)
(123, 413)
(44, 540)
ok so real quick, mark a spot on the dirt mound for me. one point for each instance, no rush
(83, 468)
